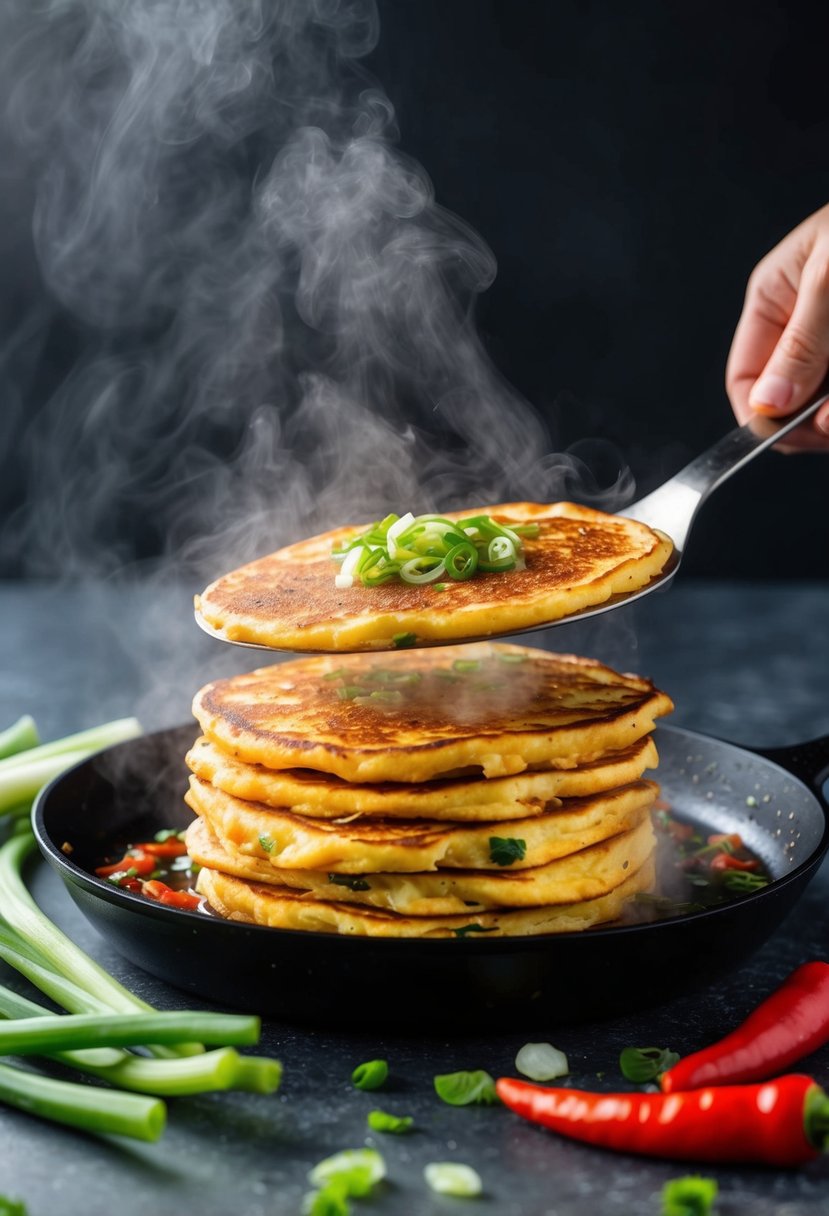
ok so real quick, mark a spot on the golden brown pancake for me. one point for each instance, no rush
(587, 874)
(260, 904)
(416, 715)
(289, 600)
(363, 846)
(320, 795)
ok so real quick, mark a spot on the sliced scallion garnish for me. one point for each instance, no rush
(541, 1062)
(643, 1064)
(453, 1178)
(382, 1121)
(370, 1075)
(466, 1088)
(421, 549)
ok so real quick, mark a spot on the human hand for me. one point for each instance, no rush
(779, 356)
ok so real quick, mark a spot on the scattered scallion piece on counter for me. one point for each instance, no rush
(382, 1121)
(689, 1196)
(466, 1088)
(643, 1064)
(453, 1178)
(354, 1172)
(370, 1075)
(12, 1207)
(541, 1062)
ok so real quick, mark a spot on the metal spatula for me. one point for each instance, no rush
(673, 506)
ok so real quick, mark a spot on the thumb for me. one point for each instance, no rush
(799, 362)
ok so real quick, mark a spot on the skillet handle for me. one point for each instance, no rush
(809, 762)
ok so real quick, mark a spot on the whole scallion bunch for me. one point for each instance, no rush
(105, 1022)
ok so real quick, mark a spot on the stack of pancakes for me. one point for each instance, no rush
(485, 788)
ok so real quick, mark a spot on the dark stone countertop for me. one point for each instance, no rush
(748, 663)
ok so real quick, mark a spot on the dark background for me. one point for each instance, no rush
(628, 165)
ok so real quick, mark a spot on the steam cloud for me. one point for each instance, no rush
(272, 317)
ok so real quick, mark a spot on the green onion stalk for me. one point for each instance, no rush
(104, 1017)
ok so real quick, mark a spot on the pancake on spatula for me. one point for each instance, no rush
(578, 559)
(416, 715)
(586, 874)
(320, 795)
(361, 846)
(260, 904)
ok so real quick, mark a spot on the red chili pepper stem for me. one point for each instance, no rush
(816, 1119)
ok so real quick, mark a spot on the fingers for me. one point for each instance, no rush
(779, 357)
(798, 364)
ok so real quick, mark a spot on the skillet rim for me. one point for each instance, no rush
(126, 902)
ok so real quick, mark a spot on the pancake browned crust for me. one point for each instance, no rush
(320, 795)
(415, 715)
(259, 904)
(289, 600)
(586, 874)
(363, 846)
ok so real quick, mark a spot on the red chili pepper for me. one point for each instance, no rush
(142, 863)
(163, 848)
(735, 1123)
(787, 1026)
(163, 894)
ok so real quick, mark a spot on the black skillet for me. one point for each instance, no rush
(773, 800)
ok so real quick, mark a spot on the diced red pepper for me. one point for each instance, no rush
(163, 894)
(727, 838)
(173, 847)
(142, 863)
(727, 861)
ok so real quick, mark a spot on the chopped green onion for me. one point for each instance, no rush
(504, 850)
(267, 843)
(420, 549)
(386, 696)
(348, 692)
(358, 1169)
(690, 1196)
(465, 665)
(541, 1062)
(741, 881)
(402, 640)
(381, 1121)
(352, 881)
(370, 1075)
(12, 1207)
(453, 1178)
(332, 1200)
(466, 1088)
(464, 930)
(643, 1064)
